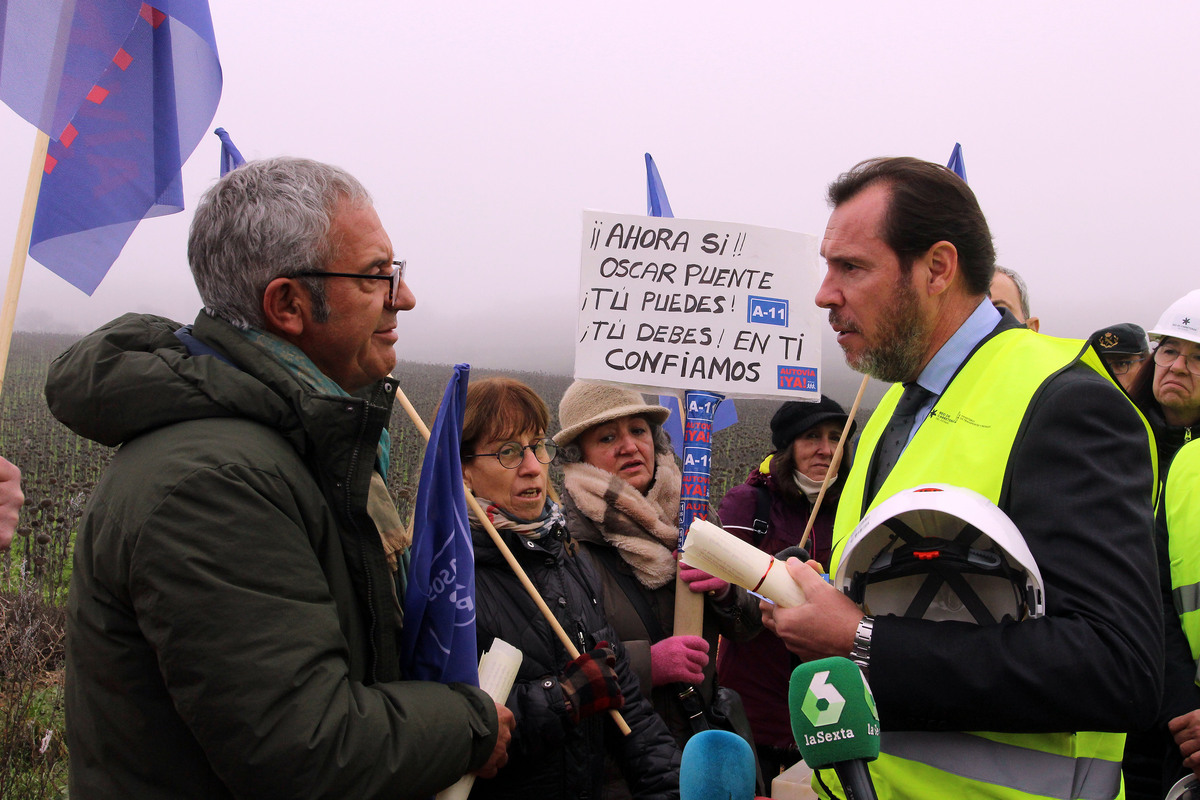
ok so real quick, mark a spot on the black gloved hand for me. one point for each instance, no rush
(589, 683)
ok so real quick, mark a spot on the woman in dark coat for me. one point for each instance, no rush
(779, 494)
(563, 731)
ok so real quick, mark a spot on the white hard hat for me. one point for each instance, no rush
(1181, 319)
(940, 552)
(1186, 788)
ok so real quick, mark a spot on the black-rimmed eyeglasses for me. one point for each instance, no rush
(511, 454)
(1120, 366)
(1165, 355)
(394, 278)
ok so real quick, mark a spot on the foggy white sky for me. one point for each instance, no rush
(483, 130)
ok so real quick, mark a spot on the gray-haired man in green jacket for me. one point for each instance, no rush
(233, 620)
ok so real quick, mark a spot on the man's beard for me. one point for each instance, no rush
(901, 348)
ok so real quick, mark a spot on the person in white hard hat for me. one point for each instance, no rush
(1167, 385)
(1167, 389)
(1021, 708)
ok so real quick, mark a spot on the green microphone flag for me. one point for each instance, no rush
(833, 713)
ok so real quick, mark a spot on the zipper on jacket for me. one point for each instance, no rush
(355, 455)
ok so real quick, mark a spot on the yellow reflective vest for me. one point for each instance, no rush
(1181, 504)
(967, 441)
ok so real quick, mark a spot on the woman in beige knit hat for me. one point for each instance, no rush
(621, 500)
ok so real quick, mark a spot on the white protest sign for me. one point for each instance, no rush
(668, 303)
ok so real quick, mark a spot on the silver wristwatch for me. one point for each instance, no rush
(861, 653)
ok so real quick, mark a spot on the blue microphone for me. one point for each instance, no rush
(717, 765)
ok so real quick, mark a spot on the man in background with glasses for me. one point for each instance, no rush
(1123, 348)
(233, 624)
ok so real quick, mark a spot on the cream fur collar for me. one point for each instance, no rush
(642, 528)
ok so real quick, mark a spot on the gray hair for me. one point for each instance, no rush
(572, 453)
(267, 219)
(1022, 289)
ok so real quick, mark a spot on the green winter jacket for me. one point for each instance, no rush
(232, 627)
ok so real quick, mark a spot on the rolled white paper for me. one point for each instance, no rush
(497, 672)
(722, 554)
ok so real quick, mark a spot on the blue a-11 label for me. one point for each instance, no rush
(767, 311)
(799, 379)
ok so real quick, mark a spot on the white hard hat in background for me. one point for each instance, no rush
(940, 552)
(1181, 319)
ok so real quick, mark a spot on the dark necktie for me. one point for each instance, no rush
(895, 435)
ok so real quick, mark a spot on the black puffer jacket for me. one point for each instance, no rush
(551, 758)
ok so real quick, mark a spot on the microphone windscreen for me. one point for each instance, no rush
(716, 765)
(794, 551)
(833, 713)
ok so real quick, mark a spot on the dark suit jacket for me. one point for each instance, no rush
(1079, 489)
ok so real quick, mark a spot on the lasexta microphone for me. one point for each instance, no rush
(716, 765)
(835, 722)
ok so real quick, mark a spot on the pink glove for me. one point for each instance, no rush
(700, 581)
(678, 659)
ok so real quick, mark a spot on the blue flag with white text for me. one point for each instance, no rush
(956, 164)
(438, 640)
(657, 205)
(125, 90)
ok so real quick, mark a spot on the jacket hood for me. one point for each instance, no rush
(134, 375)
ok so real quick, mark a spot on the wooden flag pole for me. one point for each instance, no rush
(482, 516)
(16, 271)
(835, 462)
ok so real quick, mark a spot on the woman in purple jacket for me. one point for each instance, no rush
(770, 510)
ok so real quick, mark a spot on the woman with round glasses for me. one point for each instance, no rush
(621, 499)
(1167, 390)
(563, 734)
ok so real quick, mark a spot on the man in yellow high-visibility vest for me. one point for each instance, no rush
(1025, 708)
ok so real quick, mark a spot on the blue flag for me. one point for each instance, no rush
(956, 164)
(657, 205)
(45, 76)
(438, 640)
(125, 90)
(231, 157)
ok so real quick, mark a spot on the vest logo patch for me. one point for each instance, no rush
(951, 419)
